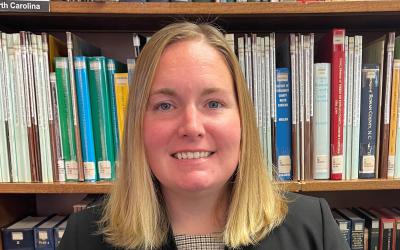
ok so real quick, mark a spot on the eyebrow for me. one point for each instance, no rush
(172, 92)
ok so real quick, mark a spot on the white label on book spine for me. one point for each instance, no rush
(338, 38)
(105, 169)
(79, 64)
(375, 224)
(391, 166)
(398, 226)
(90, 170)
(17, 236)
(95, 65)
(322, 164)
(343, 226)
(62, 64)
(337, 164)
(284, 164)
(388, 225)
(71, 170)
(110, 65)
(368, 164)
(43, 235)
(358, 226)
(61, 170)
(60, 233)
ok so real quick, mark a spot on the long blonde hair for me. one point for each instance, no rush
(135, 216)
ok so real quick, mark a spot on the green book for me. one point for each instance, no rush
(101, 118)
(68, 143)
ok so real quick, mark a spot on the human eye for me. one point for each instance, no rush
(214, 104)
(164, 106)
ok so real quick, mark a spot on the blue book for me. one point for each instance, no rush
(283, 142)
(20, 234)
(344, 225)
(368, 120)
(59, 232)
(44, 235)
(372, 224)
(85, 119)
(111, 69)
(322, 94)
(357, 228)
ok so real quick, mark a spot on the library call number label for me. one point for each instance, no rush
(25, 5)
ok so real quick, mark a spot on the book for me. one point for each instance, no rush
(396, 78)
(283, 124)
(76, 46)
(322, 73)
(372, 225)
(85, 119)
(344, 225)
(59, 232)
(349, 114)
(384, 171)
(386, 229)
(396, 230)
(102, 127)
(373, 53)
(335, 55)
(20, 234)
(121, 86)
(66, 119)
(44, 233)
(393, 117)
(357, 228)
(368, 120)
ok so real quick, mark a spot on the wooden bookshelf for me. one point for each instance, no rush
(105, 187)
(236, 17)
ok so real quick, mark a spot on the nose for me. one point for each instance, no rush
(191, 123)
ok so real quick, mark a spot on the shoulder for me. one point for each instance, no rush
(82, 231)
(307, 225)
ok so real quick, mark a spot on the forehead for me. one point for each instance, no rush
(192, 62)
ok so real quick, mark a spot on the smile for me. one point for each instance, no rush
(191, 155)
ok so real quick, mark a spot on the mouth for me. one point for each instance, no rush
(192, 155)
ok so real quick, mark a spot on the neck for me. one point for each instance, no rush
(197, 213)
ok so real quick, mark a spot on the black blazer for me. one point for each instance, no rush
(308, 225)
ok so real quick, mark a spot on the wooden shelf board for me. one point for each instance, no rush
(249, 8)
(53, 188)
(371, 184)
(65, 188)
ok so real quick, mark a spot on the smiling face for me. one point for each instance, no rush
(192, 123)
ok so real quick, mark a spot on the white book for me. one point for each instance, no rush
(247, 54)
(302, 105)
(345, 103)
(322, 93)
(356, 107)
(230, 38)
(241, 55)
(349, 88)
(298, 134)
(267, 94)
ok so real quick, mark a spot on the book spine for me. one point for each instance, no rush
(337, 103)
(322, 73)
(384, 171)
(241, 54)
(355, 154)
(393, 117)
(66, 119)
(111, 69)
(311, 101)
(273, 94)
(52, 172)
(302, 107)
(300, 162)
(85, 119)
(349, 87)
(121, 96)
(293, 69)
(345, 106)
(283, 124)
(22, 128)
(267, 94)
(102, 128)
(368, 120)
(307, 105)
(57, 132)
(357, 234)
(396, 80)
(75, 113)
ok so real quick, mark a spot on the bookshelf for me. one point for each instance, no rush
(19, 199)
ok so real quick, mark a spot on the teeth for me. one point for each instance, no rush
(191, 155)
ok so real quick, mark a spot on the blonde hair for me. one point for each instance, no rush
(135, 215)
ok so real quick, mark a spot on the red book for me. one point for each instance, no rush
(386, 229)
(331, 50)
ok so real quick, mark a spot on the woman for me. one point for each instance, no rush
(192, 173)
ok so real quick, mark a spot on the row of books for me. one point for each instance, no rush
(62, 113)
(43, 232)
(369, 228)
(326, 105)
(218, 1)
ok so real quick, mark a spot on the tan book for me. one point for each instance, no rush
(393, 118)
